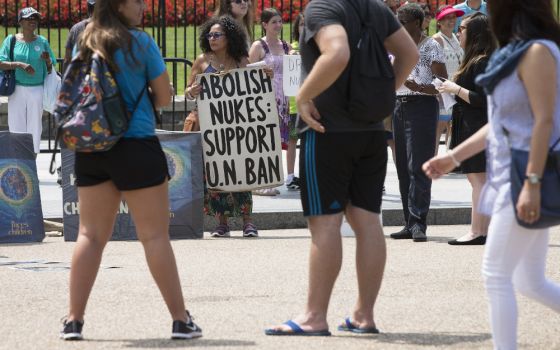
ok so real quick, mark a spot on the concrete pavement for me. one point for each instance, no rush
(451, 201)
(432, 296)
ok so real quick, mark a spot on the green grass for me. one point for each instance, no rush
(180, 42)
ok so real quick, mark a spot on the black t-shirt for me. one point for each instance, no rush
(333, 102)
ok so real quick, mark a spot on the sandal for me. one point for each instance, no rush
(222, 230)
(250, 230)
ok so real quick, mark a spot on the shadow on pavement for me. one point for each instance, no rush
(435, 339)
(172, 344)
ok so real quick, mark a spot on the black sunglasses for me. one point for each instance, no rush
(239, 1)
(215, 35)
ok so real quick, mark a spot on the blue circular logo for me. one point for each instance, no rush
(15, 186)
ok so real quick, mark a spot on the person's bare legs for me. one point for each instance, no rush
(98, 206)
(371, 255)
(479, 222)
(291, 156)
(149, 208)
(325, 260)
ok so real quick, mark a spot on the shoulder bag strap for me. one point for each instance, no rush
(554, 145)
(12, 46)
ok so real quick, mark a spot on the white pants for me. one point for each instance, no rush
(515, 257)
(25, 112)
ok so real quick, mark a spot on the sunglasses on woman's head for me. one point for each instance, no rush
(215, 35)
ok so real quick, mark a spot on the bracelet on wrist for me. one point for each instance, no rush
(455, 161)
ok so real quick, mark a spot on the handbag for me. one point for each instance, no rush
(191, 122)
(8, 77)
(550, 186)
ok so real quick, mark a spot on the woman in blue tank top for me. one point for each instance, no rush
(135, 169)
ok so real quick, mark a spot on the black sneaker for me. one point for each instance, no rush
(182, 330)
(59, 175)
(402, 234)
(294, 184)
(72, 330)
(418, 235)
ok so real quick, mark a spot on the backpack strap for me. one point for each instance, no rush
(12, 46)
(265, 46)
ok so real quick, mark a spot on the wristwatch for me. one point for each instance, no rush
(534, 179)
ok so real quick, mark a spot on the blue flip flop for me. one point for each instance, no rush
(296, 330)
(349, 327)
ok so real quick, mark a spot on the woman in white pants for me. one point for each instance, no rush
(521, 82)
(32, 61)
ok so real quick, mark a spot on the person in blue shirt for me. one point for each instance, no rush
(32, 60)
(468, 7)
(135, 169)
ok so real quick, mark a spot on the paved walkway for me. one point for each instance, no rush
(451, 200)
(432, 296)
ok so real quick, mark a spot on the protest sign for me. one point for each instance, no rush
(240, 130)
(291, 74)
(21, 215)
(186, 191)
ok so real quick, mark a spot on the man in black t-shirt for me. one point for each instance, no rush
(342, 163)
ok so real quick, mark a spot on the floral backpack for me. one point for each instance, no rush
(90, 112)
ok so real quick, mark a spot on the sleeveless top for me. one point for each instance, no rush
(509, 108)
(277, 64)
(453, 54)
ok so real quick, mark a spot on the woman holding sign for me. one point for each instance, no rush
(271, 49)
(224, 46)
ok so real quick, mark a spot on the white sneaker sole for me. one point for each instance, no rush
(217, 235)
(186, 335)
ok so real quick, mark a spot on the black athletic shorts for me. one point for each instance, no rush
(133, 163)
(338, 168)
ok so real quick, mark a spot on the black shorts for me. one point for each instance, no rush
(133, 163)
(338, 168)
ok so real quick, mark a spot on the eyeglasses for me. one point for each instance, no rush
(215, 35)
(461, 28)
(239, 1)
(403, 22)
